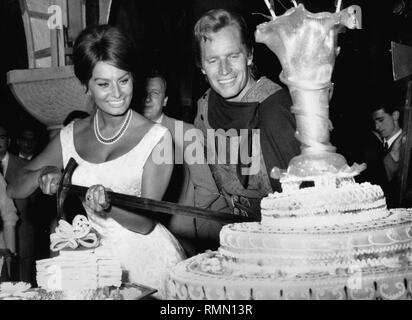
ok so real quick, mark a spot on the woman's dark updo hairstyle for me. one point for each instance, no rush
(103, 43)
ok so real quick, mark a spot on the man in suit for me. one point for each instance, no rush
(11, 164)
(192, 183)
(382, 151)
(27, 143)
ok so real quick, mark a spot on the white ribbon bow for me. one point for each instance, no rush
(67, 235)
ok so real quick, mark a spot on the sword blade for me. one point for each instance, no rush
(160, 208)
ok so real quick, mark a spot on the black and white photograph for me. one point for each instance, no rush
(226, 151)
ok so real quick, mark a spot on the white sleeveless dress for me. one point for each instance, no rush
(145, 259)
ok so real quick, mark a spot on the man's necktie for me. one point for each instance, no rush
(385, 147)
(1, 167)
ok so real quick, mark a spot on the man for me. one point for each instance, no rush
(27, 143)
(155, 101)
(8, 219)
(11, 164)
(191, 183)
(382, 155)
(235, 103)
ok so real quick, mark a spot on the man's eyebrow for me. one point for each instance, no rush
(238, 51)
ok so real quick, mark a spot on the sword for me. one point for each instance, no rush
(155, 207)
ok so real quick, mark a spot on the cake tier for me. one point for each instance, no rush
(79, 269)
(255, 248)
(323, 206)
(204, 277)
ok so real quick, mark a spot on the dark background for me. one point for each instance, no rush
(162, 30)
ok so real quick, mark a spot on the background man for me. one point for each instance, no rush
(381, 153)
(192, 183)
(27, 143)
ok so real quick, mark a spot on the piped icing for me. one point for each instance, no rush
(301, 260)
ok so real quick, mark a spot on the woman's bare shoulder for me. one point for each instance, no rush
(141, 124)
(82, 125)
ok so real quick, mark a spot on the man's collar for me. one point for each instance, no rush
(6, 157)
(25, 157)
(159, 120)
(5, 162)
(393, 138)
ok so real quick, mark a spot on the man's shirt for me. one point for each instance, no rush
(5, 163)
(392, 139)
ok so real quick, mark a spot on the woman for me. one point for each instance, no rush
(115, 149)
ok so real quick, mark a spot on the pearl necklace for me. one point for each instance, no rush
(117, 135)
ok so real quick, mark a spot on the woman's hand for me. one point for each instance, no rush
(49, 179)
(96, 199)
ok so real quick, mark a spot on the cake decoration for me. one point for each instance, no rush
(83, 270)
(73, 235)
(15, 290)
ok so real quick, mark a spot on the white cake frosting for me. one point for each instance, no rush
(289, 256)
(81, 264)
(79, 270)
(256, 248)
(323, 206)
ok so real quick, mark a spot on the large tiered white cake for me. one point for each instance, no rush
(333, 240)
(364, 259)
